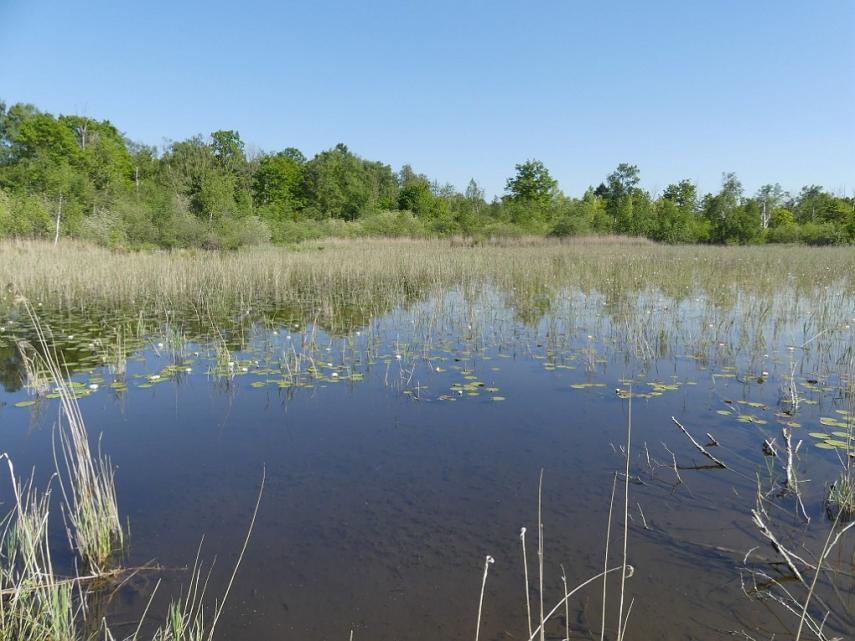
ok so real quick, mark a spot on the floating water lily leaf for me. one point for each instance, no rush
(824, 446)
(831, 422)
(25, 403)
(724, 412)
(498, 398)
(751, 404)
(821, 435)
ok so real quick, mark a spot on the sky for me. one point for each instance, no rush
(683, 89)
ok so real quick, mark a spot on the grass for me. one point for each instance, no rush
(35, 605)
(362, 273)
(840, 499)
(86, 480)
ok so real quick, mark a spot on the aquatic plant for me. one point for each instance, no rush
(86, 480)
(840, 497)
(35, 604)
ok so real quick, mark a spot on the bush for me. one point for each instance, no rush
(503, 230)
(105, 228)
(822, 234)
(232, 233)
(568, 226)
(29, 217)
(5, 214)
(392, 224)
(182, 229)
(783, 233)
(139, 229)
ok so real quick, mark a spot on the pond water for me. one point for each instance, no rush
(401, 449)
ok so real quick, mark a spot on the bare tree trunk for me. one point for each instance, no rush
(58, 216)
(82, 130)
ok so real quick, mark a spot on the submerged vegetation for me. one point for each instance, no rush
(77, 177)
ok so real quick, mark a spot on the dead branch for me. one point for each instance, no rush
(698, 446)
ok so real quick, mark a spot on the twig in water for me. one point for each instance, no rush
(643, 520)
(566, 606)
(487, 562)
(780, 549)
(792, 481)
(219, 610)
(628, 572)
(625, 518)
(674, 460)
(606, 556)
(769, 448)
(540, 549)
(697, 445)
(525, 572)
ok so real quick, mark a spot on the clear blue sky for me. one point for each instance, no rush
(460, 89)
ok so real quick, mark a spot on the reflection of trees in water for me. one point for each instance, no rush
(11, 368)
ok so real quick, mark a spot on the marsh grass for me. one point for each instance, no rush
(86, 480)
(726, 309)
(35, 604)
(840, 497)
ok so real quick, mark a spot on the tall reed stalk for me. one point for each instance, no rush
(86, 480)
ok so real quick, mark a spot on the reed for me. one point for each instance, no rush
(86, 480)
(35, 604)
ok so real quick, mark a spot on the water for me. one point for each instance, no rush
(402, 450)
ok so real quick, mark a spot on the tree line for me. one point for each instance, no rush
(73, 176)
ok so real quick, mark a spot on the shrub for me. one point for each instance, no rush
(784, 233)
(394, 225)
(105, 228)
(568, 226)
(822, 234)
(232, 233)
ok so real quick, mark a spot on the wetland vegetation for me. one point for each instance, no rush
(415, 403)
(78, 177)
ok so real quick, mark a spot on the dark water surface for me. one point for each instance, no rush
(388, 481)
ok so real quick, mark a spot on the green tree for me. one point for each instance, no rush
(625, 202)
(340, 184)
(732, 219)
(278, 182)
(532, 184)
